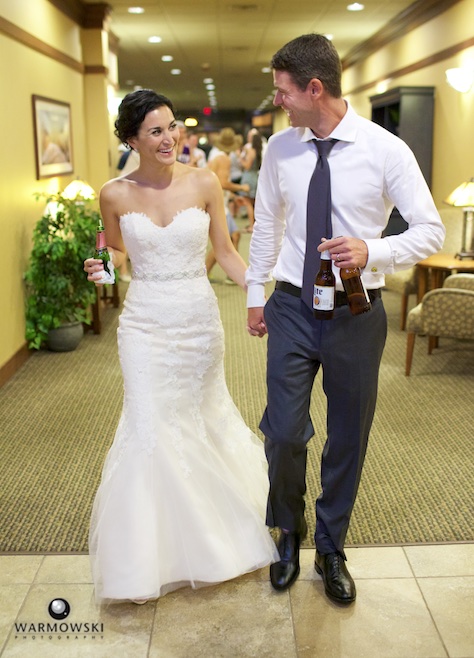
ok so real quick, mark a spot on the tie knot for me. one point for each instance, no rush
(324, 147)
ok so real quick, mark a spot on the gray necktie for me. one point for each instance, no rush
(318, 218)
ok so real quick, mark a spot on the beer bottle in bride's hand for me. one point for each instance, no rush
(102, 253)
(324, 292)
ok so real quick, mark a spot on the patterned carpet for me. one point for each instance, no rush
(59, 412)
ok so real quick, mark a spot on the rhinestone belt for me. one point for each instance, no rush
(171, 276)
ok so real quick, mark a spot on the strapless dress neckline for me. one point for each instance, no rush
(178, 215)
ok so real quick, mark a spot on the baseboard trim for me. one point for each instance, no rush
(14, 364)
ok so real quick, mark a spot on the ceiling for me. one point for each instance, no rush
(229, 41)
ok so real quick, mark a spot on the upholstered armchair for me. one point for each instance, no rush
(404, 282)
(446, 312)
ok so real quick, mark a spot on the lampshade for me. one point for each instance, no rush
(79, 188)
(52, 208)
(462, 196)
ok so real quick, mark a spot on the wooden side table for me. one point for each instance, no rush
(433, 270)
(103, 298)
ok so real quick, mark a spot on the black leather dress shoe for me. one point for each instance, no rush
(285, 572)
(338, 582)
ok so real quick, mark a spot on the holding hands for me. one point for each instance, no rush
(256, 325)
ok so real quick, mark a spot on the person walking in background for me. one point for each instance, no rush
(184, 151)
(188, 151)
(235, 174)
(371, 170)
(219, 162)
(236, 168)
(128, 161)
(251, 161)
(184, 486)
(124, 154)
(198, 156)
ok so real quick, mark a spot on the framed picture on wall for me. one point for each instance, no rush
(53, 137)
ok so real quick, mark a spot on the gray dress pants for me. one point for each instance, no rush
(349, 349)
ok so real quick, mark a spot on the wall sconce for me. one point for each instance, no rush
(463, 197)
(460, 79)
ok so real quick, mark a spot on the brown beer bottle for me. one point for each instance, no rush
(357, 296)
(324, 291)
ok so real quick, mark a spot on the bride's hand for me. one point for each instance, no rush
(94, 268)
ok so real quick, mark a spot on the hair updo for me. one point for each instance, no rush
(133, 110)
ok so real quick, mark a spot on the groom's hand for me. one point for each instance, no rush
(255, 322)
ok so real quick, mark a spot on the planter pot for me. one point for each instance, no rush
(66, 337)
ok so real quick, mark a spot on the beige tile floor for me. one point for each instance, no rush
(413, 602)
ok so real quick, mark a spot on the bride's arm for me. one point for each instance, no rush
(110, 193)
(113, 235)
(226, 255)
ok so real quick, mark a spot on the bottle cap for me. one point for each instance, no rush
(325, 255)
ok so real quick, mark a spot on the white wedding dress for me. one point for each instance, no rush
(183, 492)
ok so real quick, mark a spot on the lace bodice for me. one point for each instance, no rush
(171, 252)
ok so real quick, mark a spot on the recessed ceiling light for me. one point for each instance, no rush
(208, 81)
(266, 69)
(329, 37)
(154, 39)
(175, 71)
(136, 10)
(167, 58)
(355, 6)
(210, 87)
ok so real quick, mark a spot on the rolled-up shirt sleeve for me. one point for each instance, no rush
(268, 232)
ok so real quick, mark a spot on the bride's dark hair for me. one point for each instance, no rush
(133, 110)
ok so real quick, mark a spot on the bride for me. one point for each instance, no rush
(183, 491)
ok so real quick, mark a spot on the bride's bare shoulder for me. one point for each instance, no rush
(115, 187)
(203, 176)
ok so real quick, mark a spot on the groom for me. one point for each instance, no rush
(371, 171)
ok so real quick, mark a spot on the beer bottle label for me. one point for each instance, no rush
(323, 298)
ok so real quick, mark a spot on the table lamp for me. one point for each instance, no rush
(78, 188)
(463, 197)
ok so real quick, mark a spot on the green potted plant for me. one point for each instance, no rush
(57, 291)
